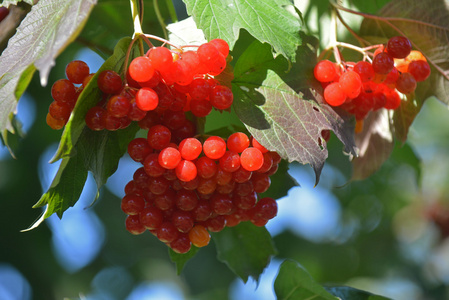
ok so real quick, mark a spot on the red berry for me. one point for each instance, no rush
(161, 58)
(350, 84)
(64, 91)
(181, 244)
(118, 106)
(186, 200)
(53, 123)
(169, 158)
(60, 110)
(182, 220)
(76, 71)
(420, 69)
(214, 147)
(95, 118)
(266, 208)
(141, 69)
(206, 167)
(151, 217)
(190, 148)
(365, 70)
(134, 226)
(221, 97)
(167, 232)
(132, 204)
(325, 71)
(406, 83)
(251, 159)
(147, 99)
(221, 45)
(200, 108)
(334, 95)
(186, 170)
(152, 166)
(383, 63)
(237, 142)
(399, 47)
(109, 82)
(230, 161)
(159, 137)
(138, 149)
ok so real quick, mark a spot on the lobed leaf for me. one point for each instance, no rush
(282, 110)
(267, 20)
(245, 248)
(46, 30)
(293, 282)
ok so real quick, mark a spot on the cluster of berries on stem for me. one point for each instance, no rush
(188, 184)
(369, 85)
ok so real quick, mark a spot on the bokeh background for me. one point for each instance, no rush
(386, 234)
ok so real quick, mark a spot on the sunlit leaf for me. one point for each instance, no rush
(46, 30)
(282, 110)
(271, 21)
(245, 248)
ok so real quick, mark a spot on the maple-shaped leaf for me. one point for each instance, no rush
(271, 21)
(375, 144)
(46, 30)
(281, 109)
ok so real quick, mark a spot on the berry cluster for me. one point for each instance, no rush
(368, 86)
(186, 187)
(65, 93)
(183, 192)
(166, 83)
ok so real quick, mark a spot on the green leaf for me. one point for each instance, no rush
(43, 34)
(349, 293)
(282, 110)
(293, 282)
(267, 20)
(89, 98)
(66, 187)
(7, 3)
(375, 144)
(180, 260)
(245, 248)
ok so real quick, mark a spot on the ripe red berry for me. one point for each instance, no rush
(151, 217)
(132, 204)
(200, 108)
(383, 63)
(134, 226)
(152, 166)
(53, 123)
(169, 158)
(325, 71)
(420, 69)
(182, 220)
(159, 137)
(214, 147)
(334, 95)
(141, 69)
(64, 91)
(221, 45)
(60, 110)
(190, 148)
(161, 58)
(406, 83)
(147, 99)
(95, 118)
(181, 244)
(251, 159)
(186, 170)
(221, 97)
(167, 232)
(138, 149)
(76, 71)
(399, 47)
(118, 106)
(230, 161)
(109, 82)
(350, 84)
(365, 70)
